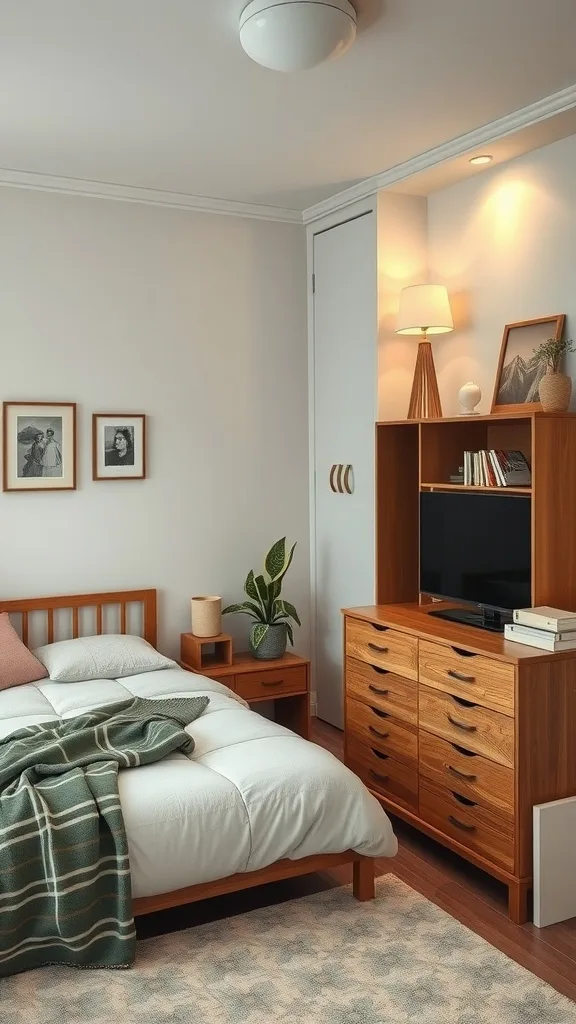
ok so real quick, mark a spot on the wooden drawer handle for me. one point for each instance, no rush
(379, 650)
(462, 750)
(460, 676)
(463, 800)
(461, 725)
(381, 735)
(378, 713)
(376, 689)
(463, 703)
(270, 682)
(461, 775)
(379, 776)
(379, 627)
(461, 824)
(379, 754)
(464, 654)
(380, 671)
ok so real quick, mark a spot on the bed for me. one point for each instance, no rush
(253, 804)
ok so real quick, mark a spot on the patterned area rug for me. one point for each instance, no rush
(323, 959)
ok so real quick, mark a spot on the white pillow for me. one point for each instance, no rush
(100, 657)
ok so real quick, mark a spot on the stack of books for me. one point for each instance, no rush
(496, 468)
(551, 629)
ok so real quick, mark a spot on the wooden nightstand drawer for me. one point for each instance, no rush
(382, 689)
(376, 728)
(386, 648)
(271, 683)
(473, 826)
(383, 774)
(453, 766)
(478, 729)
(485, 681)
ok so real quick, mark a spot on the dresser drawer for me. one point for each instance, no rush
(474, 677)
(383, 774)
(383, 689)
(271, 682)
(386, 648)
(376, 728)
(474, 827)
(478, 729)
(452, 766)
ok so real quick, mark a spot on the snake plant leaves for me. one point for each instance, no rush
(277, 563)
(290, 633)
(284, 608)
(250, 586)
(259, 631)
(246, 608)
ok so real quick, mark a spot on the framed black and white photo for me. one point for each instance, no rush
(118, 446)
(39, 446)
(519, 369)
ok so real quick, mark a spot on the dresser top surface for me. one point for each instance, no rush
(415, 619)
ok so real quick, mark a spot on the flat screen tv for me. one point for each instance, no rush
(476, 549)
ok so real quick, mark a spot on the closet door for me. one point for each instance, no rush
(344, 413)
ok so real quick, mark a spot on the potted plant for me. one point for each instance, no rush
(272, 627)
(555, 388)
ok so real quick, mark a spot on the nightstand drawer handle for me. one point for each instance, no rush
(380, 671)
(461, 775)
(461, 725)
(376, 689)
(381, 735)
(379, 650)
(463, 654)
(377, 775)
(381, 629)
(272, 682)
(460, 676)
(460, 824)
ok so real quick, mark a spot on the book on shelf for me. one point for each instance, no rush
(566, 634)
(496, 468)
(545, 642)
(553, 620)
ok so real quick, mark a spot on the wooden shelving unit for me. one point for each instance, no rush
(420, 455)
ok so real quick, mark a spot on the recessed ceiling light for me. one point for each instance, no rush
(481, 160)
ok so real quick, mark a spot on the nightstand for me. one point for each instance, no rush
(286, 681)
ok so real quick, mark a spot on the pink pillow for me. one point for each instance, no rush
(17, 664)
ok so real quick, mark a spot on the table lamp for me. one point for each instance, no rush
(424, 309)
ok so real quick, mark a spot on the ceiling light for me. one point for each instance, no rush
(481, 160)
(294, 35)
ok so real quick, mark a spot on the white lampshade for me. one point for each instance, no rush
(294, 35)
(424, 308)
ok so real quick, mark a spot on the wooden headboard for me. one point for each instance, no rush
(51, 610)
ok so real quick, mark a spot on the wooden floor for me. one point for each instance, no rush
(469, 895)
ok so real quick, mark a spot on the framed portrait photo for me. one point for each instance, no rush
(118, 446)
(39, 446)
(519, 369)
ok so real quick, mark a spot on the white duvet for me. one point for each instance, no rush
(250, 794)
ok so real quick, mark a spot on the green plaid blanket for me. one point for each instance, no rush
(65, 892)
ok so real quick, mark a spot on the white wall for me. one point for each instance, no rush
(200, 322)
(504, 243)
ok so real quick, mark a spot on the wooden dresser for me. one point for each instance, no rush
(459, 732)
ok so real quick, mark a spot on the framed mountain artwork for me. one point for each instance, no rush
(519, 369)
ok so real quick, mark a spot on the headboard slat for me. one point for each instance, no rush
(50, 613)
(25, 628)
(75, 623)
(123, 617)
(99, 619)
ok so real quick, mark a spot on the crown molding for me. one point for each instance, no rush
(148, 196)
(557, 103)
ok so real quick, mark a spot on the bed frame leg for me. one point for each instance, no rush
(363, 879)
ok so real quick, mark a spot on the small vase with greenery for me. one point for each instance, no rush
(272, 626)
(555, 387)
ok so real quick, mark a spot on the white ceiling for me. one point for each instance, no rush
(159, 94)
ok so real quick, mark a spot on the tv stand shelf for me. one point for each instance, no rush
(414, 456)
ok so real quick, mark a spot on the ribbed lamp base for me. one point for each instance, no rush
(425, 397)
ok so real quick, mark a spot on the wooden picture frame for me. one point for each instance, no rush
(39, 446)
(518, 343)
(118, 446)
